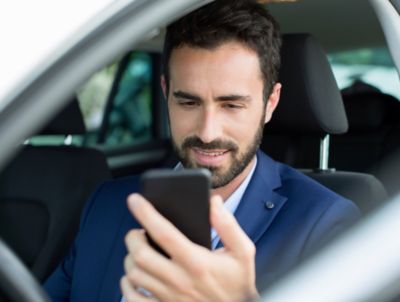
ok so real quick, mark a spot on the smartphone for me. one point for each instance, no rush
(181, 196)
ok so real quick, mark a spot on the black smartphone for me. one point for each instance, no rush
(181, 196)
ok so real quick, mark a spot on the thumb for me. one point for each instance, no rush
(232, 236)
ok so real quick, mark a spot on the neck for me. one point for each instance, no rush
(228, 189)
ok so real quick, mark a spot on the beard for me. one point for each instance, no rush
(239, 160)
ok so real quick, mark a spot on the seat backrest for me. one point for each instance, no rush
(43, 191)
(362, 188)
(311, 108)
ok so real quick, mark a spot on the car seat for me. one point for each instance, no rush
(43, 191)
(310, 110)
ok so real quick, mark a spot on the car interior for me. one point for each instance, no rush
(49, 205)
(117, 125)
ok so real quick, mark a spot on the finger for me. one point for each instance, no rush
(146, 283)
(232, 236)
(128, 263)
(142, 255)
(130, 294)
(162, 231)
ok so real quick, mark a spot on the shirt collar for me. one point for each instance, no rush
(233, 201)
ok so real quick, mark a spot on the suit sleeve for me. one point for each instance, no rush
(58, 285)
(338, 217)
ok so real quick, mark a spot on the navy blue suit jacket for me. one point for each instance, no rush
(285, 213)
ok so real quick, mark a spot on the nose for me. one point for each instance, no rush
(209, 126)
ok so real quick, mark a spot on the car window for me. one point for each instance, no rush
(370, 65)
(92, 97)
(116, 104)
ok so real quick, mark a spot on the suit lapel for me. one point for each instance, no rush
(260, 203)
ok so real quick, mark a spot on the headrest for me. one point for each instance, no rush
(311, 103)
(68, 121)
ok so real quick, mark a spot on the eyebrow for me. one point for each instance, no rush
(186, 95)
(234, 97)
(231, 97)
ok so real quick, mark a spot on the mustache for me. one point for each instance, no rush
(195, 141)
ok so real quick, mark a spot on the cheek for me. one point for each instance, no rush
(243, 127)
(181, 123)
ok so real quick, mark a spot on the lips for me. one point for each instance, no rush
(205, 157)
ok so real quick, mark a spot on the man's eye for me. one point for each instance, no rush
(232, 106)
(188, 103)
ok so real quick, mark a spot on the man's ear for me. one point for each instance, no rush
(273, 101)
(164, 86)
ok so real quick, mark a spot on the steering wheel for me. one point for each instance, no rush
(16, 282)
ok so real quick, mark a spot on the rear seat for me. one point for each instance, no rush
(374, 131)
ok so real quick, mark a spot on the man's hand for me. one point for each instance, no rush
(193, 273)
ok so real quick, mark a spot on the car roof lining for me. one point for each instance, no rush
(320, 19)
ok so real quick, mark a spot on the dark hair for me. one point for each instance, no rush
(222, 21)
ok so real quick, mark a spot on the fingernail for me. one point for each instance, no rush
(134, 200)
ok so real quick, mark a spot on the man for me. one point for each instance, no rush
(220, 81)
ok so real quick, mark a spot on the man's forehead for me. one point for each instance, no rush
(227, 58)
(233, 45)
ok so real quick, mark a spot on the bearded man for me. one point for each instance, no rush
(220, 82)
